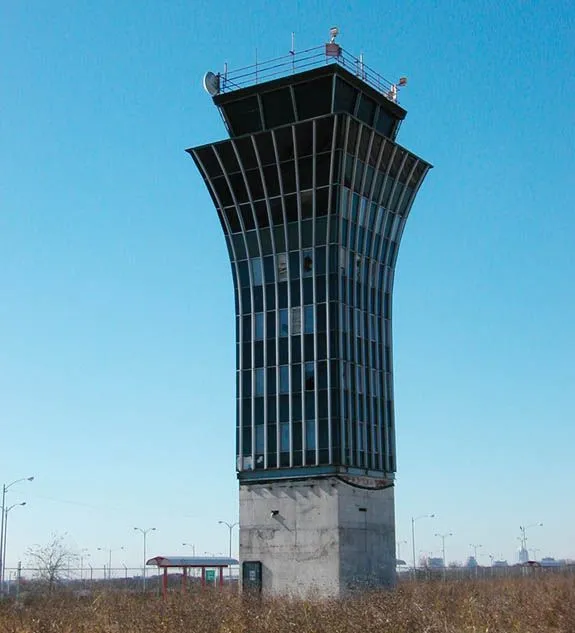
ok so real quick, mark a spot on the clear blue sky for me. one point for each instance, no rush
(116, 305)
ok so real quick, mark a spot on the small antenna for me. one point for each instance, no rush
(331, 48)
(292, 51)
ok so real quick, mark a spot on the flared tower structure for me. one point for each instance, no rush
(313, 192)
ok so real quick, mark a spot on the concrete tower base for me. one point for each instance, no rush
(321, 536)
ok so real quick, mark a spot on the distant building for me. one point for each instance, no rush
(435, 563)
(551, 562)
(500, 563)
(471, 562)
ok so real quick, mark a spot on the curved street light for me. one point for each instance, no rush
(443, 537)
(399, 544)
(3, 519)
(230, 526)
(144, 533)
(14, 505)
(109, 550)
(413, 520)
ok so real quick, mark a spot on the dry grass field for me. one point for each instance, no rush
(521, 605)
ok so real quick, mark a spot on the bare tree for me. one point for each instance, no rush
(51, 560)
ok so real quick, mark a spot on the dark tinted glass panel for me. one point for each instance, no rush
(384, 123)
(228, 157)
(255, 184)
(291, 208)
(352, 133)
(293, 236)
(307, 233)
(276, 211)
(247, 440)
(247, 153)
(261, 212)
(364, 141)
(278, 107)
(366, 109)
(313, 98)
(272, 180)
(344, 97)
(232, 218)
(209, 161)
(323, 163)
(284, 143)
(252, 242)
(304, 139)
(306, 200)
(238, 187)
(305, 172)
(244, 116)
(265, 146)
(321, 231)
(323, 134)
(222, 191)
(322, 201)
(287, 170)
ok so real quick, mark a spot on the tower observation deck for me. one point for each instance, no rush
(313, 192)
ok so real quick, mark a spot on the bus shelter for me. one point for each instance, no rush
(187, 563)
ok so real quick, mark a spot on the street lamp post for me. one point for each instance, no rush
(413, 520)
(192, 546)
(399, 544)
(109, 550)
(5, 489)
(83, 554)
(144, 534)
(443, 537)
(231, 526)
(14, 505)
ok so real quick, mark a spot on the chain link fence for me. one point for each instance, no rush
(20, 580)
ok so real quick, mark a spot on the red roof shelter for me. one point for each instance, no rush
(185, 563)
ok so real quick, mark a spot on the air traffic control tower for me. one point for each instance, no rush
(313, 193)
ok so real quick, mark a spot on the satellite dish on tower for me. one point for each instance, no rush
(211, 83)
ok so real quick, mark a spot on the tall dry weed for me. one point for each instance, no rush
(543, 604)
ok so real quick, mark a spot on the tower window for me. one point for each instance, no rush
(308, 319)
(309, 376)
(284, 378)
(257, 271)
(284, 326)
(284, 436)
(310, 434)
(307, 263)
(282, 267)
(259, 326)
(259, 380)
(296, 320)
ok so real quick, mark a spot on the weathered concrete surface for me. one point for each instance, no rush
(319, 536)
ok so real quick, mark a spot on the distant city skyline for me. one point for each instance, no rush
(116, 309)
